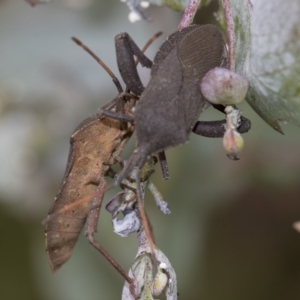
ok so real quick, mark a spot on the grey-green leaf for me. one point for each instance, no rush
(267, 53)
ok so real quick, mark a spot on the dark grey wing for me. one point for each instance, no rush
(159, 106)
(199, 51)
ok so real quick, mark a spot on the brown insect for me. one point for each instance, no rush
(96, 144)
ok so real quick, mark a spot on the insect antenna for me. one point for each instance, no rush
(99, 61)
(151, 40)
(104, 66)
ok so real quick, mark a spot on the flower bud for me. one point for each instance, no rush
(222, 86)
(233, 143)
(160, 281)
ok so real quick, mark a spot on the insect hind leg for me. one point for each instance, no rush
(91, 229)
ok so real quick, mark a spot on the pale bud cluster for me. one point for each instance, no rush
(137, 10)
(222, 86)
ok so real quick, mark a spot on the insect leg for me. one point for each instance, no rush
(91, 228)
(144, 218)
(125, 49)
(216, 129)
(117, 116)
(219, 107)
(163, 165)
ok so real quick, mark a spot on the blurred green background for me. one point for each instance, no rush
(230, 233)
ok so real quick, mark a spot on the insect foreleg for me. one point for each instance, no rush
(125, 49)
(117, 116)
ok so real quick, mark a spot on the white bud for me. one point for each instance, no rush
(144, 4)
(134, 17)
